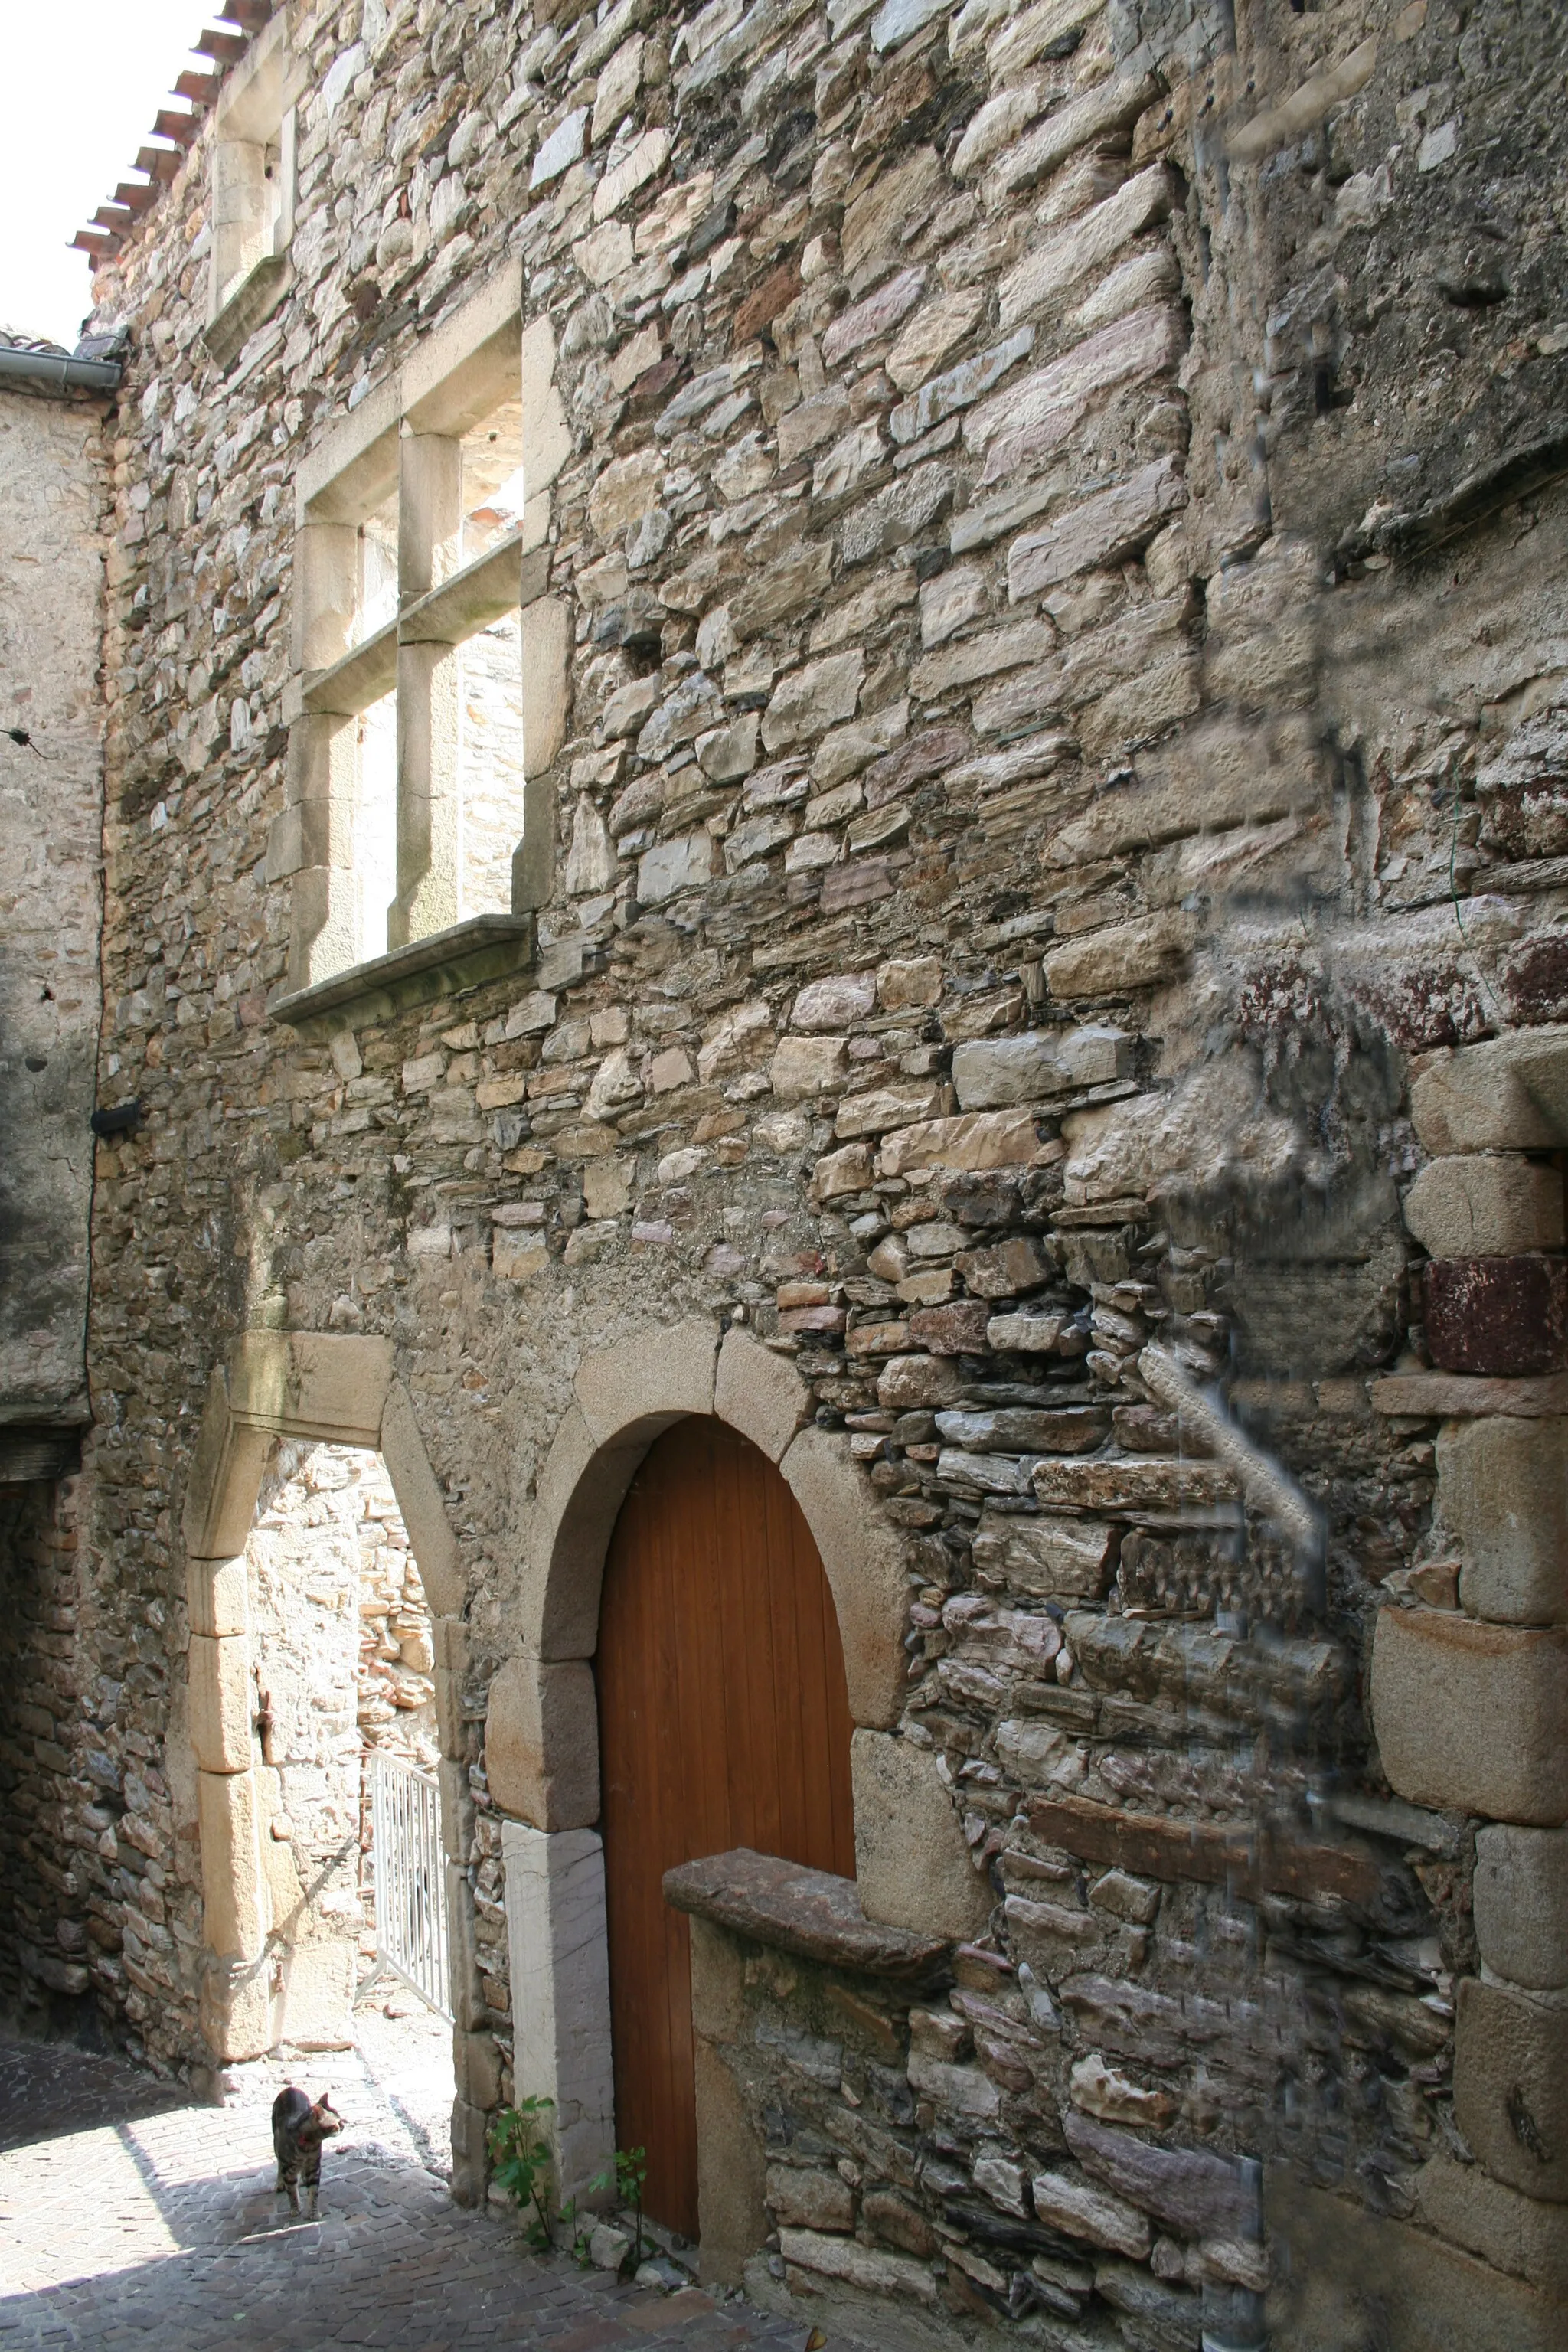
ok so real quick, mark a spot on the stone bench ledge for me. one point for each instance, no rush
(809, 1912)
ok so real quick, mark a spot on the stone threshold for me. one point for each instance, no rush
(811, 1914)
(463, 957)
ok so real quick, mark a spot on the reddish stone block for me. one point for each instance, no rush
(1507, 1316)
(958, 1329)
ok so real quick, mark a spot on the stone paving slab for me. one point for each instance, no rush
(130, 2218)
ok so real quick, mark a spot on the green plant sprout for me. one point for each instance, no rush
(521, 2158)
(625, 2175)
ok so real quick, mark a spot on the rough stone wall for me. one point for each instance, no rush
(51, 803)
(1063, 550)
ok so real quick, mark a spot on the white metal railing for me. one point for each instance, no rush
(410, 1877)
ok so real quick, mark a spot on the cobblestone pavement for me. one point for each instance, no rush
(130, 2218)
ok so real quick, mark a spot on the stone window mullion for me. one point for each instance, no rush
(429, 698)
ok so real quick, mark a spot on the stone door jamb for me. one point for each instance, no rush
(338, 1389)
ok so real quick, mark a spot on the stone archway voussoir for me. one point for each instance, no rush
(865, 1565)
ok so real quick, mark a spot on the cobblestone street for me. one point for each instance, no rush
(130, 2217)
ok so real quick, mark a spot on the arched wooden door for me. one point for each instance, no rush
(724, 1722)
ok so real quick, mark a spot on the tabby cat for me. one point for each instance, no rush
(297, 2130)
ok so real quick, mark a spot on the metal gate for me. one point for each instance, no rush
(410, 1877)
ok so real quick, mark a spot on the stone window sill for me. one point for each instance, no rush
(809, 1912)
(258, 293)
(486, 947)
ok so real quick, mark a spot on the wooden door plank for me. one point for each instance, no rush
(723, 1721)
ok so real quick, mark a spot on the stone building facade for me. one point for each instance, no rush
(854, 717)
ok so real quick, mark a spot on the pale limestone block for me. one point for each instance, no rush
(911, 1865)
(327, 1385)
(420, 1500)
(1502, 1494)
(236, 1913)
(1509, 1094)
(1521, 1895)
(758, 1393)
(556, 1941)
(219, 1676)
(1511, 2086)
(459, 374)
(732, 2173)
(664, 1372)
(315, 2009)
(326, 592)
(802, 2196)
(546, 681)
(718, 1984)
(1474, 1205)
(238, 2012)
(1515, 2233)
(863, 1560)
(993, 1072)
(577, 1496)
(1472, 1717)
(541, 1743)
(470, 2154)
(805, 1067)
(429, 509)
(217, 1595)
(1347, 2264)
(476, 2068)
(865, 2268)
(224, 1482)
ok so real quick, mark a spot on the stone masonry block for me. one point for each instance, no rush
(220, 1705)
(239, 2013)
(556, 1937)
(732, 2173)
(457, 1809)
(640, 1386)
(541, 1743)
(1511, 2088)
(1522, 1905)
(235, 1907)
(420, 1500)
(1355, 2280)
(546, 680)
(476, 2067)
(455, 377)
(1510, 1093)
(760, 1394)
(1476, 1205)
(864, 1563)
(1502, 1494)
(546, 435)
(577, 1496)
(718, 1983)
(1522, 2235)
(224, 1480)
(1472, 1717)
(470, 2157)
(325, 1384)
(1502, 1316)
(911, 1864)
(216, 1595)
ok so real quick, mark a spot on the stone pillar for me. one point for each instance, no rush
(560, 1992)
(732, 2170)
(430, 697)
(1470, 1701)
